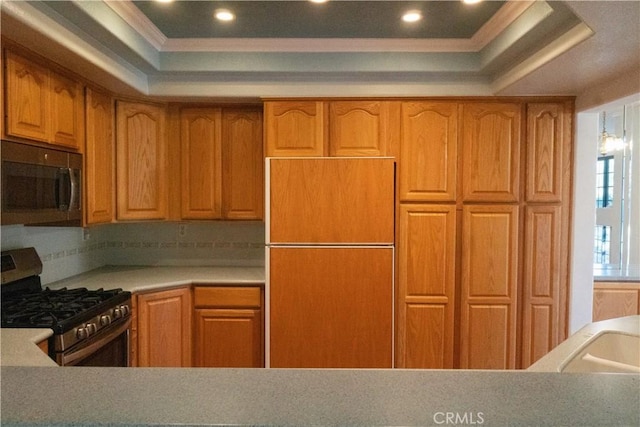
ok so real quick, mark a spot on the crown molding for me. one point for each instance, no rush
(318, 45)
(139, 21)
(499, 22)
(568, 40)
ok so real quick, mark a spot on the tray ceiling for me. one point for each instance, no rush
(296, 48)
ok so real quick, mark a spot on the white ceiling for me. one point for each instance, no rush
(526, 48)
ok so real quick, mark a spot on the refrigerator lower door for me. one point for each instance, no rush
(330, 307)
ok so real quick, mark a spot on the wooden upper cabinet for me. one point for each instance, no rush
(361, 128)
(491, 152)
(428, 151)
(548, 130)
(294, 128)
(489, 287)
(201, 160)
(242, 164)
(43, 105)
(27, 99)
(141, 171)
(67, 112)
(99, 159)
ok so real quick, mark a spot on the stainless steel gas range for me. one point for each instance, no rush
(90, 327)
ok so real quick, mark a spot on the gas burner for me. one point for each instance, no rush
(49, 308)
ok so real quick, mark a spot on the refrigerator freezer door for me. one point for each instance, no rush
(331, 307)
(331, 200)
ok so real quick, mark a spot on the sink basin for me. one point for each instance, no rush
(607, 351)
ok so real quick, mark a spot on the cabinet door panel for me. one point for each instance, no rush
(359, 128)
(228, 338)
(488, 285)
(546, 134)
(426, 286)
(67, 118)
(491, 152)
(141, 161)
(488, 337)
(201, 158)
(308, 200)
(243, 164)
(27, 99)
(99, 158)
(428, 151)
(164, 328)
(541, 282)
(331, 307)
(295, 128)
(611, 303)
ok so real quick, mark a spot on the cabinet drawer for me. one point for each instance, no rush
(227, 296)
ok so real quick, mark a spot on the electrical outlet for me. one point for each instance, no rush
(86, 234)
(182, 230)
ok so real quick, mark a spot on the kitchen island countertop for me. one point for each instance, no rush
(203, 396)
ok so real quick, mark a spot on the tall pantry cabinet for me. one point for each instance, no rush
(483, 228)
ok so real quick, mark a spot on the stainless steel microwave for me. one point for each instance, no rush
(40, 186)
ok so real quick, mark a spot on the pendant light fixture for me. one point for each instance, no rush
(609, 142)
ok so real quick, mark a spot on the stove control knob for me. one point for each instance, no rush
(125, 309)
(105, 319)
(91, 328)
(81, 333)
(117, 313)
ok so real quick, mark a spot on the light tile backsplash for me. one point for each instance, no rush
(67, 251)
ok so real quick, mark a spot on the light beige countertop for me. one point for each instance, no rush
(554, 359)
(20, 347)
(145, 278)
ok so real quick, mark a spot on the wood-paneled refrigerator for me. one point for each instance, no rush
(329, 262)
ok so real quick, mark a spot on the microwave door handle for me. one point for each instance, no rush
(73, 189)
(66, 177)
(61, 173)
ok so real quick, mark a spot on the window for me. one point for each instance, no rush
(602, 248)
(616, 245)
(604, 182)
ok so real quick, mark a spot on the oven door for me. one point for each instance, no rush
(109, 348)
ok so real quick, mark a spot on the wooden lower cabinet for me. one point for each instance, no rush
(426, 284)
(615, 299)
(209, 326)
(489, 287)
(164, 328)
(228, 325)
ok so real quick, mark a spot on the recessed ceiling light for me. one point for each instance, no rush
(412, 16)
(164, 1)
(224, 15)
(471, 1)
(318, 1)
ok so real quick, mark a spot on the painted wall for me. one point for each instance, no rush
(584, 218)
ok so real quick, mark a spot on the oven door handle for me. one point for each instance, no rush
(71, 358)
